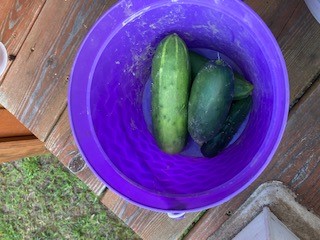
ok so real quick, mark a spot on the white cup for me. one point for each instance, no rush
(3, 58)
(314, 7)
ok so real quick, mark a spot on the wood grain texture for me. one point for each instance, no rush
(147, 224)
(10, 126)
(299, 42)
(41, 70)
(61, 144)
(298, 34)
(9, 139)
(275, 13)
(16, 19)
(296, 163)
(18, 148)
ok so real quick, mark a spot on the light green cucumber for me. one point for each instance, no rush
(170, 93)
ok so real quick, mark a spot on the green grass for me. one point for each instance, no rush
(40, 199)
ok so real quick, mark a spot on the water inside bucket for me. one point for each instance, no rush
(191, 149)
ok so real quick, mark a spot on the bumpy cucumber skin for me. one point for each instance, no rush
(170, 93)
(238, 112)
(210, 100)
(242, 88)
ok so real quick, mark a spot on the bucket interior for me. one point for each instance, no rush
(123, 67)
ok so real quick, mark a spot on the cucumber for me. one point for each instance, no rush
(170, 93)
(238, 113)
(210, 100)
(242, 88)
(197, 61)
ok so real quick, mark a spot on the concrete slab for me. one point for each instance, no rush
(282, 202)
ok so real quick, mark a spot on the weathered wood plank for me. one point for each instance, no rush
(61, 144)
(298, 35)
(41, 70)
(296, 163)
(10, 126)
(147, 224)
(299, 42)
(13, 150)
(9, 139)
(274, 13)
(16, 20)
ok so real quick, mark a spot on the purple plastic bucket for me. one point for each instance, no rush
(105, 102)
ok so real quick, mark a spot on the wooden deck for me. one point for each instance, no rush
(44, 37)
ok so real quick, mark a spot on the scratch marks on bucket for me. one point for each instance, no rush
(127, 6)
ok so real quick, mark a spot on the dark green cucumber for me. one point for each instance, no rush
(242, 88)
(210, 100)
(170, 93)
(197, 61)
(238, 112)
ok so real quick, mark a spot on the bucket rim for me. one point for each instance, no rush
(74, 117)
